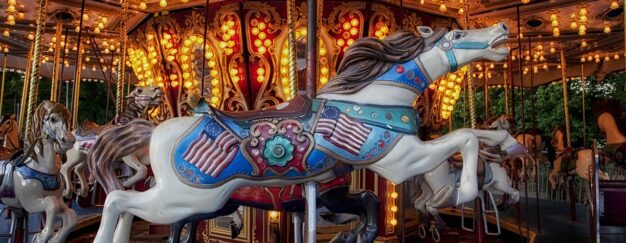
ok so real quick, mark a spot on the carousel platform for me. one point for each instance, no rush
(556, 223)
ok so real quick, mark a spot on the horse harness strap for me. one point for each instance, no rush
(448, 47)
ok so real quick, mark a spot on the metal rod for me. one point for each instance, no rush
(4, 72)
(35, 63)
(532, 88)
(311, 46)
(519, 65)
(565, 98)
(24, 100)
(508, 79)
(204, 44)
(311, 191)
(486, 91)
(78, 69)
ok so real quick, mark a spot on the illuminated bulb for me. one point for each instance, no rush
(6, 33)
(525, 1)
(31, 36)
(77, 29)
(143, 5)
(553, 17)
(85, 17)
(163, 3)
(505, 66)
(461, 11)
(552, 50)
(582, 11)
(393, 222)
(607, 29)
(607, 58)
(554, 23)
(614, 4)
(394, 195)
(582, 59)
(589, 58)
(573, 25)
(583, 44)
(443, 7)
(616, 57)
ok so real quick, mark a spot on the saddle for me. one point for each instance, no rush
(296, 107)
(82, 133)
(6, 174)
(483, 171)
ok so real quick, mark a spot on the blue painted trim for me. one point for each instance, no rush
(48, 181)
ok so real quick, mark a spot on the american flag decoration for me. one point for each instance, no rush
(341, 130)
(212, 155)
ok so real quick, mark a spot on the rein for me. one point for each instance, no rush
(448, 47)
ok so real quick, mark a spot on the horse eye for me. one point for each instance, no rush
(458, 35)
(139, 91)
(53, 119)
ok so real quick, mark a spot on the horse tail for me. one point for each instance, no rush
(112, 145)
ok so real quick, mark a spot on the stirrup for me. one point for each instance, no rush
(445, 197)
(494, 211)
(463, 220)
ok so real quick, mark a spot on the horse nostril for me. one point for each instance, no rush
(503, 26)
(63, 140)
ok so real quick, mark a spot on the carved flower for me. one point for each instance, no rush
(278, 150)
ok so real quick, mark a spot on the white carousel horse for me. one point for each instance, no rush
(138, 102)
(10, 132)
(363, 117)
(448, 173)
(31, 180)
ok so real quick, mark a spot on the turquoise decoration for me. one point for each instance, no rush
(278, 151)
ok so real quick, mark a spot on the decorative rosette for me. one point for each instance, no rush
(278, 151)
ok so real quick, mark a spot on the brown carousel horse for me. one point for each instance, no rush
(10, 132)
(138, 103)
(569, 161)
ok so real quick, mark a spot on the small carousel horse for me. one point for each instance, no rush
(31, 180)
(137, 104)
(492, 177)
(363, 118)
(532, 139)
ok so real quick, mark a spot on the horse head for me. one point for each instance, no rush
(461, 47)
(51, 122)
(7, 124)
(146, 96)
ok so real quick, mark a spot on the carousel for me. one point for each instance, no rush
(312, 121)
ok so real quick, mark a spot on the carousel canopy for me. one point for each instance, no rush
(589, 32)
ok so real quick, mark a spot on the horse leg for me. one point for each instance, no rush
(79, 170)
(411, 157)
(140, 170)
(52, 210)
(176, 230)
(440, 225)
(69, 218)
(74, 157)
(365, 204)
(500, 138)
(503, 183)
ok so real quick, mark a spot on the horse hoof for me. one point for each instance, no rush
(368, 234)
(445, 197)
(344, 237)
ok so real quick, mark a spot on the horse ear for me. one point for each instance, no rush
(425, 31)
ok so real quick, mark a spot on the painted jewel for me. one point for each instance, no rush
(278, 151)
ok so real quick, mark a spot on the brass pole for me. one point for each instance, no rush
(291, 13)
(470, 82)
(506, 89)
(35, 62)
(119, 104)
(78, 69)
(24, 100)
(57, 61)
(4, 72)
(582, 81)
(565, 99)
(486, 91)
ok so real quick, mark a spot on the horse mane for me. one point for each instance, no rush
(370, 57)
(614, 108)
(6, 117)
(112, 145)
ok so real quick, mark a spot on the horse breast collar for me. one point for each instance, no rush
(406, 74)
(220, 148)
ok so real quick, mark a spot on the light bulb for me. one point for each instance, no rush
(607, 29)
(143, 5)
(443, 7)
(163, 3)
(614, 5)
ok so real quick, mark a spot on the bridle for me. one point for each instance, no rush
(449, 46)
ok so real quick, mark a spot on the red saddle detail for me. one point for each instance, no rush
(274, 197)
(296, 107)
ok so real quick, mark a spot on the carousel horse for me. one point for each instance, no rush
(31, 180)
(492, 177)
(334, 195)
(10, 132)
(534, 142)
(137, 104)
(362, 119)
